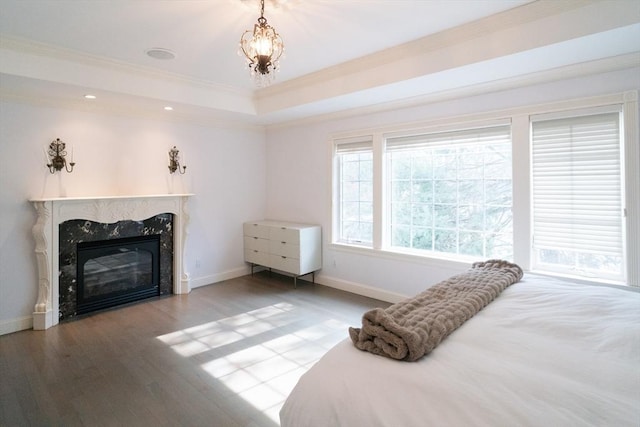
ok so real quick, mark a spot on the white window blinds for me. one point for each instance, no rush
(354, 179)
(492, 135)
(577, 195)
(354, 145)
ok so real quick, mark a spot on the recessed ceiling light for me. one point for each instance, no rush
(168, 108)
(89, 96)
(160, 53)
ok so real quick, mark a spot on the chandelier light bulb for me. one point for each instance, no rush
(263, 46)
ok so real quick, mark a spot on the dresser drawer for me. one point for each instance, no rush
(284, 234)
(256, 243)
(253, 229)
(283, 248)
(289, 247)
(256, 257)
(283, 263)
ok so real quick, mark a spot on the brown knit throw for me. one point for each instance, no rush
(410, 329)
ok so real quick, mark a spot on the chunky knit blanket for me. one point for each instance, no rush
(410, 329)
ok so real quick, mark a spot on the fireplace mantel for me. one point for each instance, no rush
(107, 209)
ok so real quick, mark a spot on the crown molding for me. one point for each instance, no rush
(21, 45)
(535, 24)
(530, 26)
(81, 73)
(584, 69)
(494, 23)
(211, 118)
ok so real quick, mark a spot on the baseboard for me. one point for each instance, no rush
(15, 325)
(26, 322)
(214, 278)
(360, 289)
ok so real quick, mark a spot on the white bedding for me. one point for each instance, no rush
(544, 353)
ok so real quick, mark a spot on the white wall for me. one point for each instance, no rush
(236, 177)
(298, 177)
(118, 156)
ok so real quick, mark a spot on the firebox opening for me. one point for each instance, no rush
(117, 271)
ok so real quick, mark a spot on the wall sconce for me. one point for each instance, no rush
(174, 161)
(56, 154)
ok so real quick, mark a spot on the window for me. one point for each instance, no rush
(578, 200)
(450, 193)
(554, 188)
(354, 168)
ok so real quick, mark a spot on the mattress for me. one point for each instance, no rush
(545, 352)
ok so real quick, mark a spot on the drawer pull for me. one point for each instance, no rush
(284, 257)
(255, 238)
(283, 228)
(255, 252)
(284, 243)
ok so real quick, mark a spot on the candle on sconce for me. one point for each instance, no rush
(71, 153)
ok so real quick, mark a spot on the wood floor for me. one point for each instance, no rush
(227, 354)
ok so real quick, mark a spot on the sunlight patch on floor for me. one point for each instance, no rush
(198, 339)
(265, 373)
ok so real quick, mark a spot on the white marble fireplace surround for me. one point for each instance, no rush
(109, 209)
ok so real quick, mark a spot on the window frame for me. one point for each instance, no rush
(429, 140)
(359, 144)
(519, 118)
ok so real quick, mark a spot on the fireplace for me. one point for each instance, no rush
(118, 271)
(81, 241)
(63, 224)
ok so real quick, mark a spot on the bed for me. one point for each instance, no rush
(545, 352)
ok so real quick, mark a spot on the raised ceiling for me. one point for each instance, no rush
(340, 54)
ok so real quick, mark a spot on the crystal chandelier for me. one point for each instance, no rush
(262, 49)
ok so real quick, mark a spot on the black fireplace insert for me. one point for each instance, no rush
(117, 271)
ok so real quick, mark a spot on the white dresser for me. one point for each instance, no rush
(283, 246)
